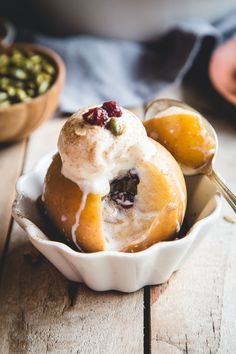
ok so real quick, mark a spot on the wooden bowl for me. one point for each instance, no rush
(20, 119)
(222, 70)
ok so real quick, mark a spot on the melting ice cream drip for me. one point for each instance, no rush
(77, 219)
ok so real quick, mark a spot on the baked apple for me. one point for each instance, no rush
(110, 187)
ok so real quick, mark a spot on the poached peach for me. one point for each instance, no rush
(184, 135)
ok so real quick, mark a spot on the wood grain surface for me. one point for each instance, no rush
(11, 163)
(195, 311)
(42, 312)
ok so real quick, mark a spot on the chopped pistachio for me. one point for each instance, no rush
(116, 127)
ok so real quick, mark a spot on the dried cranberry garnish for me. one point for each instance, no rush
(124, 199)
(112, 109)
(96, 116)
(101, 116)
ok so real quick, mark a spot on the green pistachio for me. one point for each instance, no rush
(18, 84)
(42, 77)
(11, 91)
(3, 96)
(116, 127)
(17, 58)
(43, 87)
(3, 70)
(31, 85)
(18, 73)
(36, 68)
(48, 68)
(3, 59)
(21, 94)
(31, 92)
(16, 52)
(28, 65)
(4, 80)
(36, 59)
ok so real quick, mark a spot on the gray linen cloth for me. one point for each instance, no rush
(100, 69)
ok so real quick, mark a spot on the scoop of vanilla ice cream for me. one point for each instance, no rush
(92, 156)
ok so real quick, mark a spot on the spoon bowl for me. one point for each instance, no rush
(155, 107)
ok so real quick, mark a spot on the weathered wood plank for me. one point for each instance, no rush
(186, 314)
(195, 311)
(11, 161)
(42, 312)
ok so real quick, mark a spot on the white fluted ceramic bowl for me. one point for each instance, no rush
(109, 270)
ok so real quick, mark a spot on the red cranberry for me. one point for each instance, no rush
(96, 116)
(112, 109)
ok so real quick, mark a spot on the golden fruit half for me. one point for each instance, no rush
(185, 136)
(62, 200)
(162, 190)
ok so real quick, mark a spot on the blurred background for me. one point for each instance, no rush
(128, 50)
(127, 19)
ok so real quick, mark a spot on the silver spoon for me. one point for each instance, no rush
(159, 105)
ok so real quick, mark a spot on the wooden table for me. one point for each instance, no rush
(42, 312)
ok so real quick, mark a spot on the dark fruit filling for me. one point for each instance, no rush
(112, 108)
(105, 117)
(96, 116)
(124, 199)
(124, 189)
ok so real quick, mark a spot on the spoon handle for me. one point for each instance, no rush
(223, 189)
